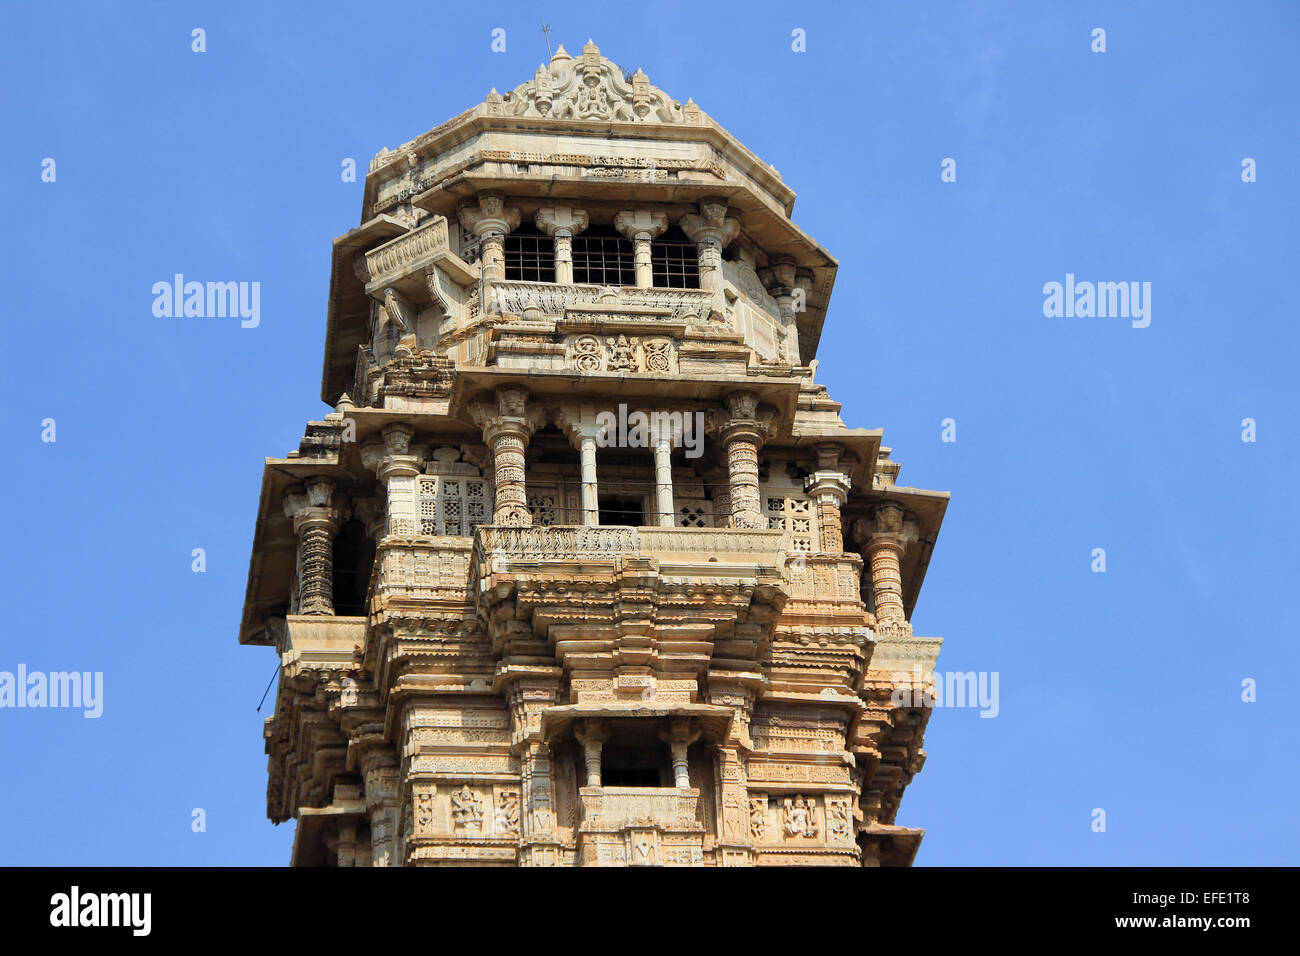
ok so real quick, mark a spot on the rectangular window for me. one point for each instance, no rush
(530, 257)
(622, 511)
(675, 264)
(631, 766)
(602, 259)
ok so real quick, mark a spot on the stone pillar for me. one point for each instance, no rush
(383, 804)
(347, 843)
(397, 463)
(592, 734)
(829, 488)
(886, 537)
(507, 426)
(590, 495)
(315, 523)
(679, 736)
(664, 480)
(642, 226)
(780, 279)
(562, 223)
(530, 690)
(490, 219)
(711, 230)
(743, 434)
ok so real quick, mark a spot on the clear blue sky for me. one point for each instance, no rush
(1119, 690)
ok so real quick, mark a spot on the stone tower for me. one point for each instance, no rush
(584, 568)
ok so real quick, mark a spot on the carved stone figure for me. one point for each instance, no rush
(800, 818)
(466, 809)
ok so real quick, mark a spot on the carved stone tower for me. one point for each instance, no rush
(584, 568)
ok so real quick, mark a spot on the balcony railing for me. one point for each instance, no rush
(513, 297)
(710, 546)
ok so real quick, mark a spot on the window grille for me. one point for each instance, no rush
(530, 256)
(675, 263)
(602, 257)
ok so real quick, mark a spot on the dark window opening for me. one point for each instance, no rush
(603, 257)
(354, 557)
(675, 261)
(626, 511)
(530, 256)
(634, 767)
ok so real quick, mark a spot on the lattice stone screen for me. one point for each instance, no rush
(795, 515)
(454, 506)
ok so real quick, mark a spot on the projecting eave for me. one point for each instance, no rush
(556, 385)
(419, 158)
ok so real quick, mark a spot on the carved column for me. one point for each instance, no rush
(397, 463)
(507, 426)
(491, 220)
(642, 226)
(383, 804)
(679, 736)
(347, 843)
(592, 734)
(829, 488)
(886, 537)
(315, 523)
(711, 231)
(743, 434)
(781, 279)
(562, 223)
(590, 493)
(529, 692)
(579, 424)
(664, 480)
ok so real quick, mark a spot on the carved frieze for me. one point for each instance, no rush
(652, 355)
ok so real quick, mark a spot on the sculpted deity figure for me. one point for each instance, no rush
(799, 819)
(508, 812)
(622, 355)
(467, 809)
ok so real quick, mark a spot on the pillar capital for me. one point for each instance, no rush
(711, 224)
(643, 224)
(311, 504)
(561, 220)
(832, 486)
(488, 216)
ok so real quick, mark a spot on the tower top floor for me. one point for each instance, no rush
(616, 176)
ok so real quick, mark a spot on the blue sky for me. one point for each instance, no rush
(1119, 690)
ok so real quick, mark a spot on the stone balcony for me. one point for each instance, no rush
(640, 826)
(618, 807)
(401, 262)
